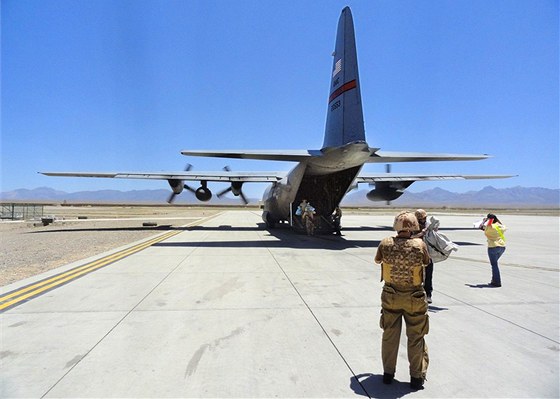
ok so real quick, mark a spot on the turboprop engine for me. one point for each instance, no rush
(388, 191)
(176, 186)
(384, 194)
(202, 193)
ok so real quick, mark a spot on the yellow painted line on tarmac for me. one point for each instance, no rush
(13, 298)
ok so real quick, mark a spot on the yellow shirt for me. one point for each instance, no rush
(495, 235)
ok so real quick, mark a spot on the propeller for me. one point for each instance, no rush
(388, 170)
(171, 198)
(178, 185)
(235, 188)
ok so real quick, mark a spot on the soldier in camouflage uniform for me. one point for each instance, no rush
(402, 260)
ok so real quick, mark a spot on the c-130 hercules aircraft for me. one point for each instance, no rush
(322, 176)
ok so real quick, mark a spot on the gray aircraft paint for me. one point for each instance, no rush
(321, 176)
(345, 119)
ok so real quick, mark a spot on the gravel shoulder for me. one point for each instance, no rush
(28, 248)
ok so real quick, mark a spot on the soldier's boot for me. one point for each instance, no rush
(388, 378)
(416, 383)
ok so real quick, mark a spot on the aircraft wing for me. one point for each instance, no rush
(265, 155)
(393, 177)
(224, 176)
(390, 156)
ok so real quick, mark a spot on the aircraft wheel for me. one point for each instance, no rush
(270, 222)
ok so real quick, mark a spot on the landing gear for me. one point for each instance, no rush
(269, 221)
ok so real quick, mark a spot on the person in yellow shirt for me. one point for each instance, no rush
(494, 232)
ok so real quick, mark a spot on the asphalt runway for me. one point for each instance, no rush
(227, 309)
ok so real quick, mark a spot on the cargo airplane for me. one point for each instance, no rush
(321, 176)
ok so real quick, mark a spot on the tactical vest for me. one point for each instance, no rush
(402, 264)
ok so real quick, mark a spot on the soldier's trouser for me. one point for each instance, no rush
(411, 305)
(428, 275)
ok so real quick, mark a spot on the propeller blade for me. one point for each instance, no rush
(238, 192)
(188, 167)
(243, 198)
(388, 170)
(223, 192)
(192, 190)
(171, 198)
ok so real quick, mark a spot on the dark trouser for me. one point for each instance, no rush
(494, 254)
(412, 306)
(428, 278)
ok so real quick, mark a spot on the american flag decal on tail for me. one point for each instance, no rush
(337, 67)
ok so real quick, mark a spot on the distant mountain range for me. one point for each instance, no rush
(160, 196)
(521, 197)
(518, 197)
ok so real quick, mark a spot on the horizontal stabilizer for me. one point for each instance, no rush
(390, 156)
(263, 155)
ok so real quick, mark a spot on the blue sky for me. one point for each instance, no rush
(126, 85)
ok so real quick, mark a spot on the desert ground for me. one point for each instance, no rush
(29, 248)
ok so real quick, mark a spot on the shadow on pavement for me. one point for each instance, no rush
(303, 243)
(435, 309)
(373, 386)
(287, 238)
(479, 286)
(106, 229)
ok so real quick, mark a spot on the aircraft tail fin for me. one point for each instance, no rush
(345, 119)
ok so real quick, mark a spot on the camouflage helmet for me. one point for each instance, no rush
(406, 221)
(420, 214)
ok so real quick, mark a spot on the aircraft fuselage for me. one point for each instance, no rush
(322, 181)
(322, 177)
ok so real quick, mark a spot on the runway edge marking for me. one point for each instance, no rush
(33, 290)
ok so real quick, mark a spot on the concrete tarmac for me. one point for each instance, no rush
(228, 309)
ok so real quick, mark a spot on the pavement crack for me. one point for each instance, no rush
(319, 323)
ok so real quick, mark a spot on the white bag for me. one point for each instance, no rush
(478, 224)
(439, 246)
